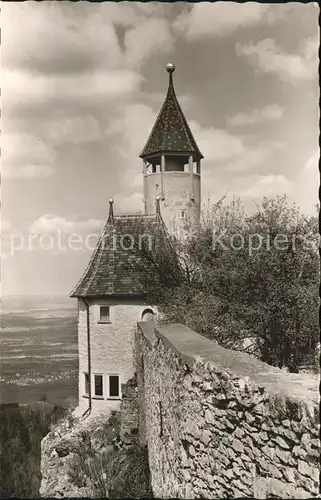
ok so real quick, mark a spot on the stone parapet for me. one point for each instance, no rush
(220, 423)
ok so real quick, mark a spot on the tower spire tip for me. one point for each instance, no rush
(111, 210)
(170, 67)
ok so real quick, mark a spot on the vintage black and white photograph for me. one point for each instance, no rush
(160, 264)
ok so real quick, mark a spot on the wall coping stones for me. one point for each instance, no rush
(193, 391)
(191, 348)
(147, 328)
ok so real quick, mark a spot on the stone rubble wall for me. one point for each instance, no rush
(221, 424)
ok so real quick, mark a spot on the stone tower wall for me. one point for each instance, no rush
(177, 191)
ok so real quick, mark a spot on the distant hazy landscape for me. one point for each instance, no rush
(38, 349)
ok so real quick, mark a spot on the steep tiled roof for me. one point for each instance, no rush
(171, 132)
(114, 270)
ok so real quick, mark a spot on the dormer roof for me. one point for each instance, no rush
(171, 133)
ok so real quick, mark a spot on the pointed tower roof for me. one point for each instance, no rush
(171, 133)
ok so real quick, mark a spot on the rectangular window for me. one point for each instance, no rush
(86, 383)
(183, 214)
(104, 314)
(98, 385)
(114, 386)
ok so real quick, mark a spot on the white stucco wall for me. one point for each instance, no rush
(111, 347)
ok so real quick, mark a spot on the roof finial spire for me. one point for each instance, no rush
(171, 133)
(170, 68)
(158, 205)
(111, 210)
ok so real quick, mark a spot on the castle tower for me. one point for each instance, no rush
(172, 167)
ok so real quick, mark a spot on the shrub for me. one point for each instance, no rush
(21, 431)
(246, 281)
(113, 472)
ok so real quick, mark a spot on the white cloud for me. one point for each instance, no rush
(88, 51)
(156, 9)
(131, 128)
(133, 125)
(216, 144)
(150, 37)
(5, 226)
(251, 158)
(26, 171)
(129, 204)
(86, 38)
(258, 115)
(25, 156)
(23, 90)
(80, 129)
(49, 223)
(22, 147)
(124, 14)
(225, 151)
(157, 99)
(307, 184)
(312, 165)
(285, 12)
(267, 57)
(302, 190)
(310, 48)
(59, 81)
(217, 19)
(90, 62)
(268, 185)
(127, 134)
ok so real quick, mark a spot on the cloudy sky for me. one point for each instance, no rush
(81, 87)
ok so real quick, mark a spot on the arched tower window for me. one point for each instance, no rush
(148, 315)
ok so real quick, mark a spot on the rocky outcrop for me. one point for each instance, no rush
(58, 449)
(73, 454)
(220, 423)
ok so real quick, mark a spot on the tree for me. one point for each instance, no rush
(247, 281)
